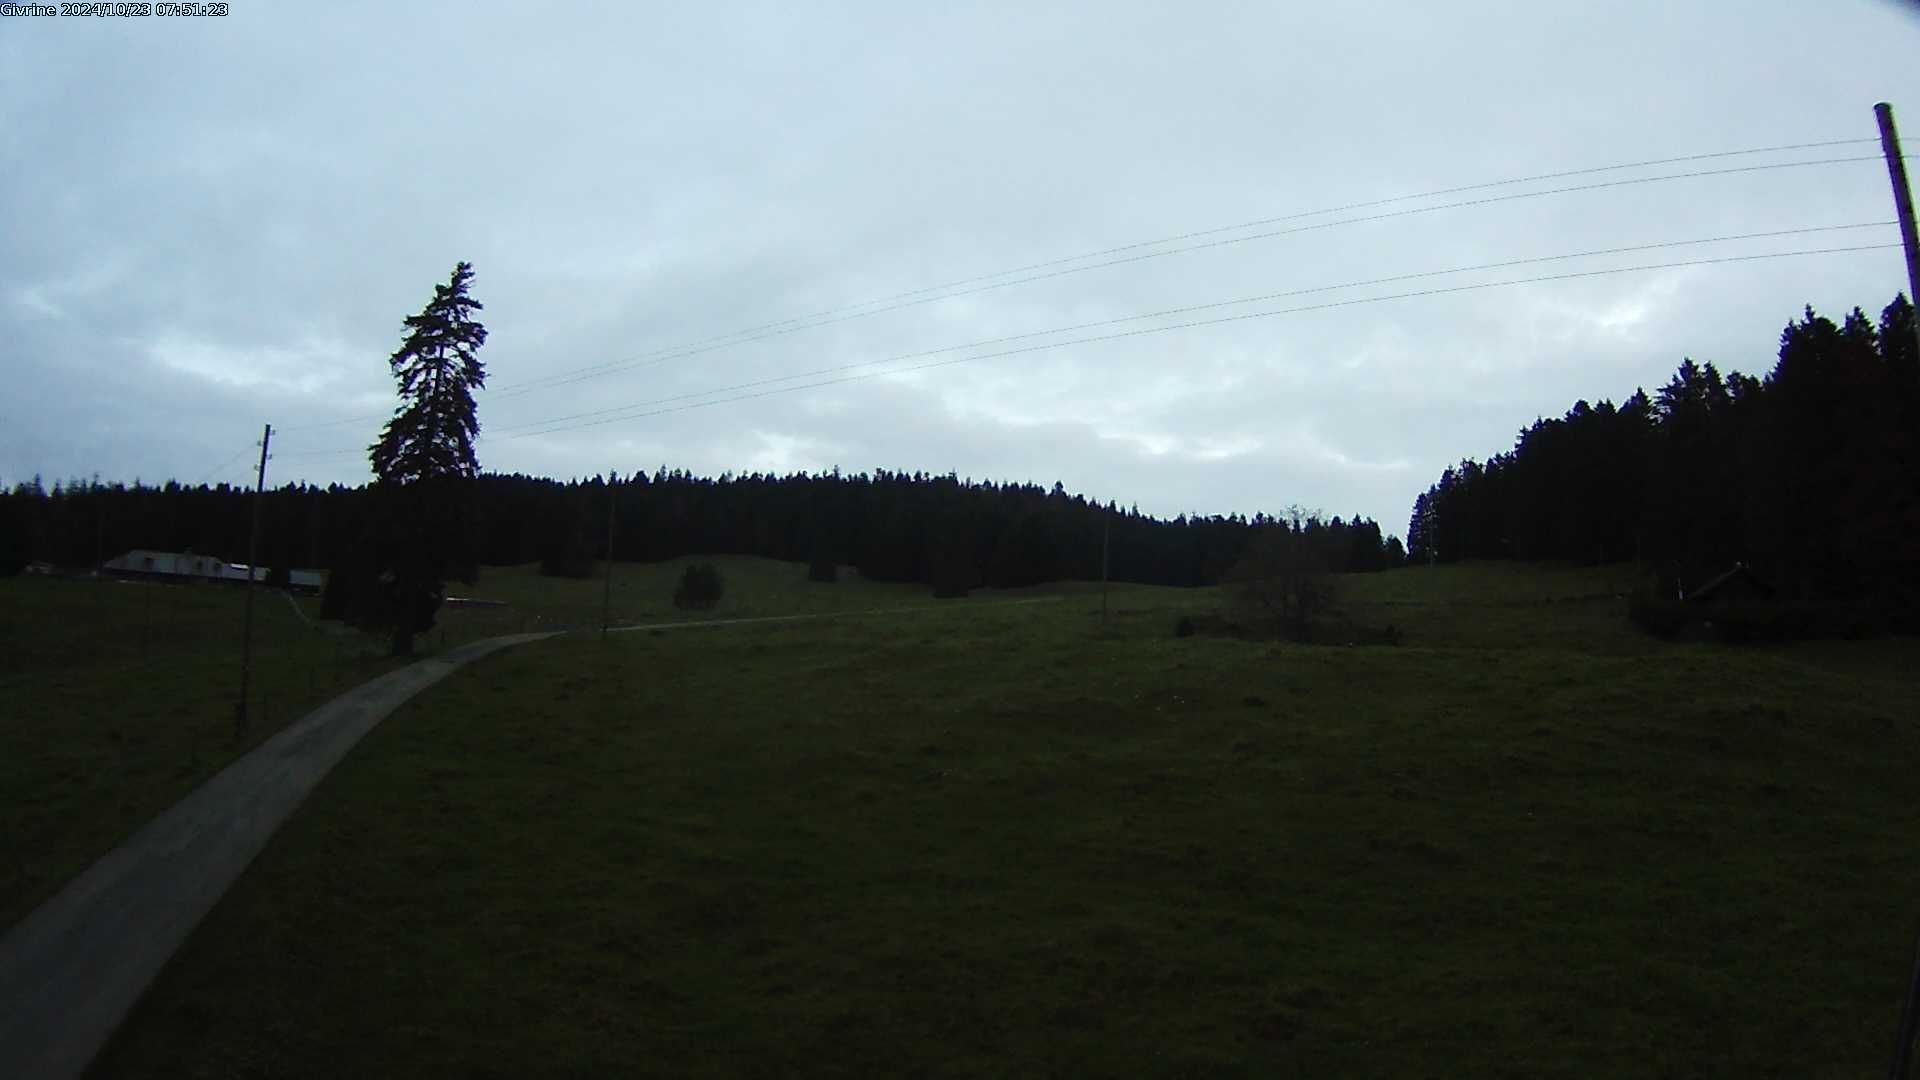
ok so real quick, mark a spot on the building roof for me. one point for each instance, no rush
(1740, 574)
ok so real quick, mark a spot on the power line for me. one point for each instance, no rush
(223, 465)
(563, 420)
(1327, 210)
(725, 340)
(1534, 260)
(1210, 322)
(557, 427)
(562, 380)
(849, 312)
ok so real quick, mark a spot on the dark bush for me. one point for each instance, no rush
(823, 571)
(1184, 628)
(699, 589)
(1282, 586)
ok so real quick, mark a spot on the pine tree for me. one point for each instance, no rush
(14, 545)
(431, 435)
(425, 461)
(1419, 529)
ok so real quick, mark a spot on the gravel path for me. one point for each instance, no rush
(73, 968)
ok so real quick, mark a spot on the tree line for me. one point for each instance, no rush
(1808, 475)
(889, 526)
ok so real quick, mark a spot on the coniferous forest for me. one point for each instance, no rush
(888, 526)
(1809, 476)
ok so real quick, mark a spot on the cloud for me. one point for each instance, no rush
(242, 246)
(306, 367)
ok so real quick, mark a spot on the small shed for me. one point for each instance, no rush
(1739, 585)
(186, 566)
(1726, 606)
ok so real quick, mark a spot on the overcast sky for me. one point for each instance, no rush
(210, 224)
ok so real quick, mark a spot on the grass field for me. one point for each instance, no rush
(119, 699)
(120, 695)
(977, 839)
(642, 593)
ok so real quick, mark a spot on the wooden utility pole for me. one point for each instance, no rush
(1903, 205)
(606, 594)
(253, 558)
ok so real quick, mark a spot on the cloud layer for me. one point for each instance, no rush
(215, 223)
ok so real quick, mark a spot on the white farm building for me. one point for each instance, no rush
(175, 566)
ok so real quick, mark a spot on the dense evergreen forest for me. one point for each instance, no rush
(1810, 476)
(889, 526)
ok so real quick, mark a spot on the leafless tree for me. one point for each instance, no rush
(1280, 581)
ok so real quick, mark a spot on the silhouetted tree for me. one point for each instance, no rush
(1282, 581)
(14, 544)
(1420, 529)
(424, 459)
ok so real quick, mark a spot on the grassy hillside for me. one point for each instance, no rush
(643, 593)
(992, 839)
(119, 699)
(120, 695)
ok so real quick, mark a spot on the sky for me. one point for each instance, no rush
(211, 224)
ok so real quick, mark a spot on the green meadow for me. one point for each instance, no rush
(976, 837)
(119, 698)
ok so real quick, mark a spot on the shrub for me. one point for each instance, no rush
(1183, 628)
(700, 588)
(1281, 583)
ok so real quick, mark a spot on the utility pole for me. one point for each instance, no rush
(606, 595)
(253, 557)
(1903, 205)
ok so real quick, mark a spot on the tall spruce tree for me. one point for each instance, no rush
(425, 461)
